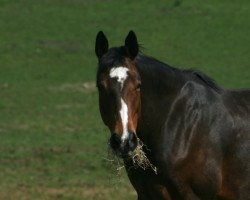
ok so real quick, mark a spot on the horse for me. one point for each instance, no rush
(194, 132)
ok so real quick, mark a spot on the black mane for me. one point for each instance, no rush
(151, 63)
(206, 79)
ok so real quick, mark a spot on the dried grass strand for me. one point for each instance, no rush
(140, 158)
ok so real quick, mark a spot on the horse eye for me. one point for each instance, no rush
(138, 87)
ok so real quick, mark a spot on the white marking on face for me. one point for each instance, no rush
(124, 117)
(120, 73)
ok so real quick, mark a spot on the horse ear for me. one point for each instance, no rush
(131, 45)
(101, 44)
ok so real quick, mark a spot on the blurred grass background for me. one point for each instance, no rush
(52, 140)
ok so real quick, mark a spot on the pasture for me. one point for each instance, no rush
(53, 144)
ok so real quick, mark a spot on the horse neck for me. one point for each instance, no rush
(160, 85)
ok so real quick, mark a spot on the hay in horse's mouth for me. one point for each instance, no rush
(140, 158)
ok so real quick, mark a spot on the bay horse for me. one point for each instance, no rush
(196, 133)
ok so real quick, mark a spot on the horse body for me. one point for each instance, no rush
(196, 133)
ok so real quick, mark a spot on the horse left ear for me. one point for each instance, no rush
(131, 45)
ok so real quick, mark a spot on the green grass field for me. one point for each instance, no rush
(53, 144)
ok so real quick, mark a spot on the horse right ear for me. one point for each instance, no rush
(101, 44)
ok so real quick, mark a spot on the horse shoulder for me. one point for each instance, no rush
(236, 162)
(192, 154)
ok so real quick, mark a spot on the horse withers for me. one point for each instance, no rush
(196, 134)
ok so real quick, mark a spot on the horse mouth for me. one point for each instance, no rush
(127, 155)
(123, 148)
(138, 157)
(124, 153)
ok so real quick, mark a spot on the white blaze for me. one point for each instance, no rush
(124, 117)
(120, 73)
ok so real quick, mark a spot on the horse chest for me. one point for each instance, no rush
(147, 184)
(150, 186)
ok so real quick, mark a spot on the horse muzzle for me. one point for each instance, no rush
(123, 148)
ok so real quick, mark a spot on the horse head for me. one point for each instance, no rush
(118, 83)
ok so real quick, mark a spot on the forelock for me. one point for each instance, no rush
(114, 57)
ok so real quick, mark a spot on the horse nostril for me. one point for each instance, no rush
(123, 147)
(115, 141)
(132, 141)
